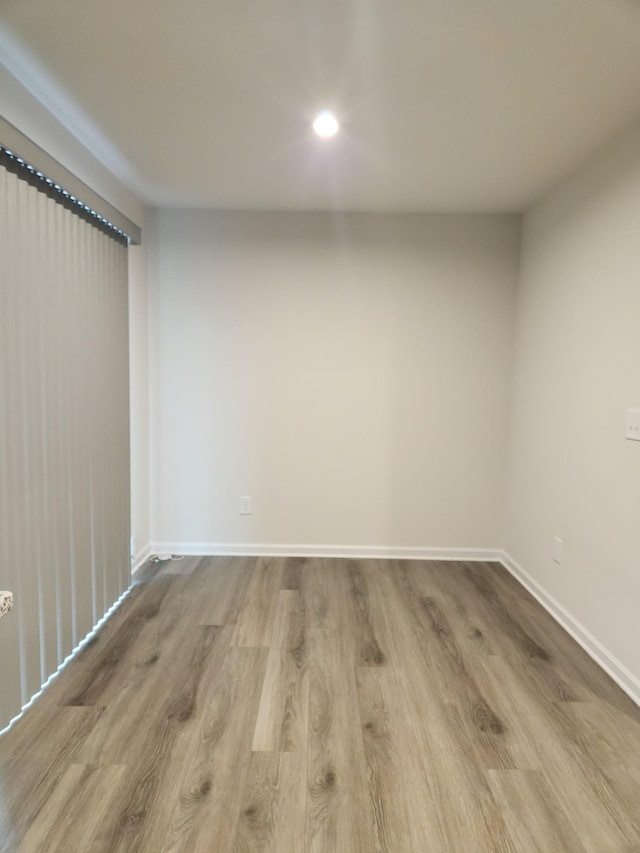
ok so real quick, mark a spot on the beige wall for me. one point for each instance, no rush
(577, 371)
(349, 372)
(19, 107)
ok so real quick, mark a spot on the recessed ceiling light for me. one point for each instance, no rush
(325, 124)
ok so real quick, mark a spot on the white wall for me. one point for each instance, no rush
(20, 108)
(571, 472)
(139, 396)
(349, 372)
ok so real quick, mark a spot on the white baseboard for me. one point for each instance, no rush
(365, 552)
(623, 677)
(141, 558)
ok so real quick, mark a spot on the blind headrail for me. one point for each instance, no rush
(25, 150)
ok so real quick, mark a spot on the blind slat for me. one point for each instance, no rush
(64, 433)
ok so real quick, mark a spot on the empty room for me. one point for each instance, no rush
(320, 426)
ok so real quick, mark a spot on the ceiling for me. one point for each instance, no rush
(446, 105)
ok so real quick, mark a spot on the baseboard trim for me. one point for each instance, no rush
(141, 558)
(366, 552)
(623, 677)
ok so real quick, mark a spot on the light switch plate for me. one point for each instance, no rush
(557, 550)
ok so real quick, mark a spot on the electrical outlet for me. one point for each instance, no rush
(557, 550)
(245, 505)
(633, 425)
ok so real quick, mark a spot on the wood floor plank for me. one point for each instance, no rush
(533, 819)
(152, 635)
(92, 673)
(449, 664)
(384, 737)
(465, 813)
(613, 740)
(160, 728)
(34, 757)
(294, 568)
(271, 816)
(336, 764)
(529, 649)
(220, 584)
(394, 625)
(435, 579)
(408, 792)
(210, 775)
(113, 739)
(258, 612)
(282, 720)
(318, 579)
(569, 655)
(315, 705)
(83, 790)
(364, 617)
(612, 750)
(582, 792)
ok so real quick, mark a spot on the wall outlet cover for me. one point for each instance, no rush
(633, 425)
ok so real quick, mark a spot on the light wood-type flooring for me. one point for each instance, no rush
(290, 705)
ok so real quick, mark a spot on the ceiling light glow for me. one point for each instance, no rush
(325, 124)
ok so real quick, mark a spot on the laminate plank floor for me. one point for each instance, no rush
(293, 704)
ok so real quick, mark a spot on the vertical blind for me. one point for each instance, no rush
(64, 433)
